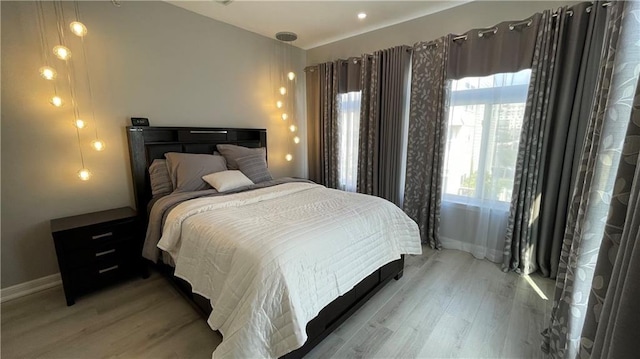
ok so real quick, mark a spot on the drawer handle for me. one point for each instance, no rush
(105, 252)
(98, 236)
(206, 131)
(107, 269)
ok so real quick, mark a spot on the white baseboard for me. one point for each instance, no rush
(36, 285)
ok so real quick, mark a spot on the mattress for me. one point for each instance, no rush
(270, 259)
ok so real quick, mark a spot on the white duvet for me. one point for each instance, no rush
(270, 259)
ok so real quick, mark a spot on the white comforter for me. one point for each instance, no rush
(270, 259)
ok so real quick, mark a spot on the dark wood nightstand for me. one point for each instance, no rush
(97, 249)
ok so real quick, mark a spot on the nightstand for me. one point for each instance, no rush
(97, 249)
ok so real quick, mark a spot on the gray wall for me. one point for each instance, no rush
(148, 59)
(477, 14)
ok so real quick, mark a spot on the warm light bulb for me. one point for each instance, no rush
(288, 157)
(62, 52)
(97, 145)
(291, 76)
(47, 73)
(296, 139)
(362, 16)
(285, 116)
(292, 128)
(84, 174)
(78, 28)
(279, 104)
(56, 101)
(80, 123)
(283, 90)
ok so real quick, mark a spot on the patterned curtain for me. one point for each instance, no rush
(611, 328)
(565, 65)
(426, 141)
(592, 195)
(384, 78)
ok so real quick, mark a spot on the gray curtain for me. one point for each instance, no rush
(425, 148)
(324, 82)
(321, 124)
(563, 73)
(485, 52)
(594, 186)
(384, 78)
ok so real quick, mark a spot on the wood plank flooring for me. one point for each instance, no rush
(448, 304)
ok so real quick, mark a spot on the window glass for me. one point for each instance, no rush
(348, 138)
(483, 132)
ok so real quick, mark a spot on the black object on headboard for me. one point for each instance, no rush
(149, 143)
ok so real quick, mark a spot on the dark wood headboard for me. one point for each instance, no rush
(149, 143)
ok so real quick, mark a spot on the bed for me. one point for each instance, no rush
(285, 262)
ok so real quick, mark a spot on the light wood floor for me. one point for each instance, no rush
(448, 304)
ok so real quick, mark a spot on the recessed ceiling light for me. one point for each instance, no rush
(362, 16)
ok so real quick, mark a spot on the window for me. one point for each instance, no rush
(483, 132)
(348, 137)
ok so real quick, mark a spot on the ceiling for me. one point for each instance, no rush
(316, 22)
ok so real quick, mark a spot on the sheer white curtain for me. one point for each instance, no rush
(348, 137)
(483, 131)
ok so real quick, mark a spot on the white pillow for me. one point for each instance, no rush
(227, 180)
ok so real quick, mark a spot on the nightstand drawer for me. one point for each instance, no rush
(96, 276)
(101, 252)
(95, 236)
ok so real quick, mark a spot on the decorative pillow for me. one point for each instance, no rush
(227, 180)
(186, 169)
(232, 152)
(254, 167)
(161, 184)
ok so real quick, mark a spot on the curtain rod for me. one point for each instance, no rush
(520, 23)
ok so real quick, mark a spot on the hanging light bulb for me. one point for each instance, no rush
(292, 128)
(98, 145)
(279, 104)
(80, 123)
(56, 101)
(84, 174)
(288, 157)
(285, 116)
(283, 90)
(296, 140)
(291, 76)
(78, 28)
(62, 52)
(48, 73)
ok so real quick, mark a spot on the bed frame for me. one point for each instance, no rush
(149, 143)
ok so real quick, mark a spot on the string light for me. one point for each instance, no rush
(56, 101)
(291, 76)
(296, 140)
(62, 52)
(78, 28)
(288, 157)
(98, 145)
(284, 116)
(48, 73)
(80, 123)
(283, 90)
(84, 174)
(293, 128)
(279, 104)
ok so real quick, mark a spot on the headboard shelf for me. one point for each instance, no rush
(149, 143)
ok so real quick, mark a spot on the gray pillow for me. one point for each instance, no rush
(186, 170)
(232, 152)
(255, 167)
(161, 184)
